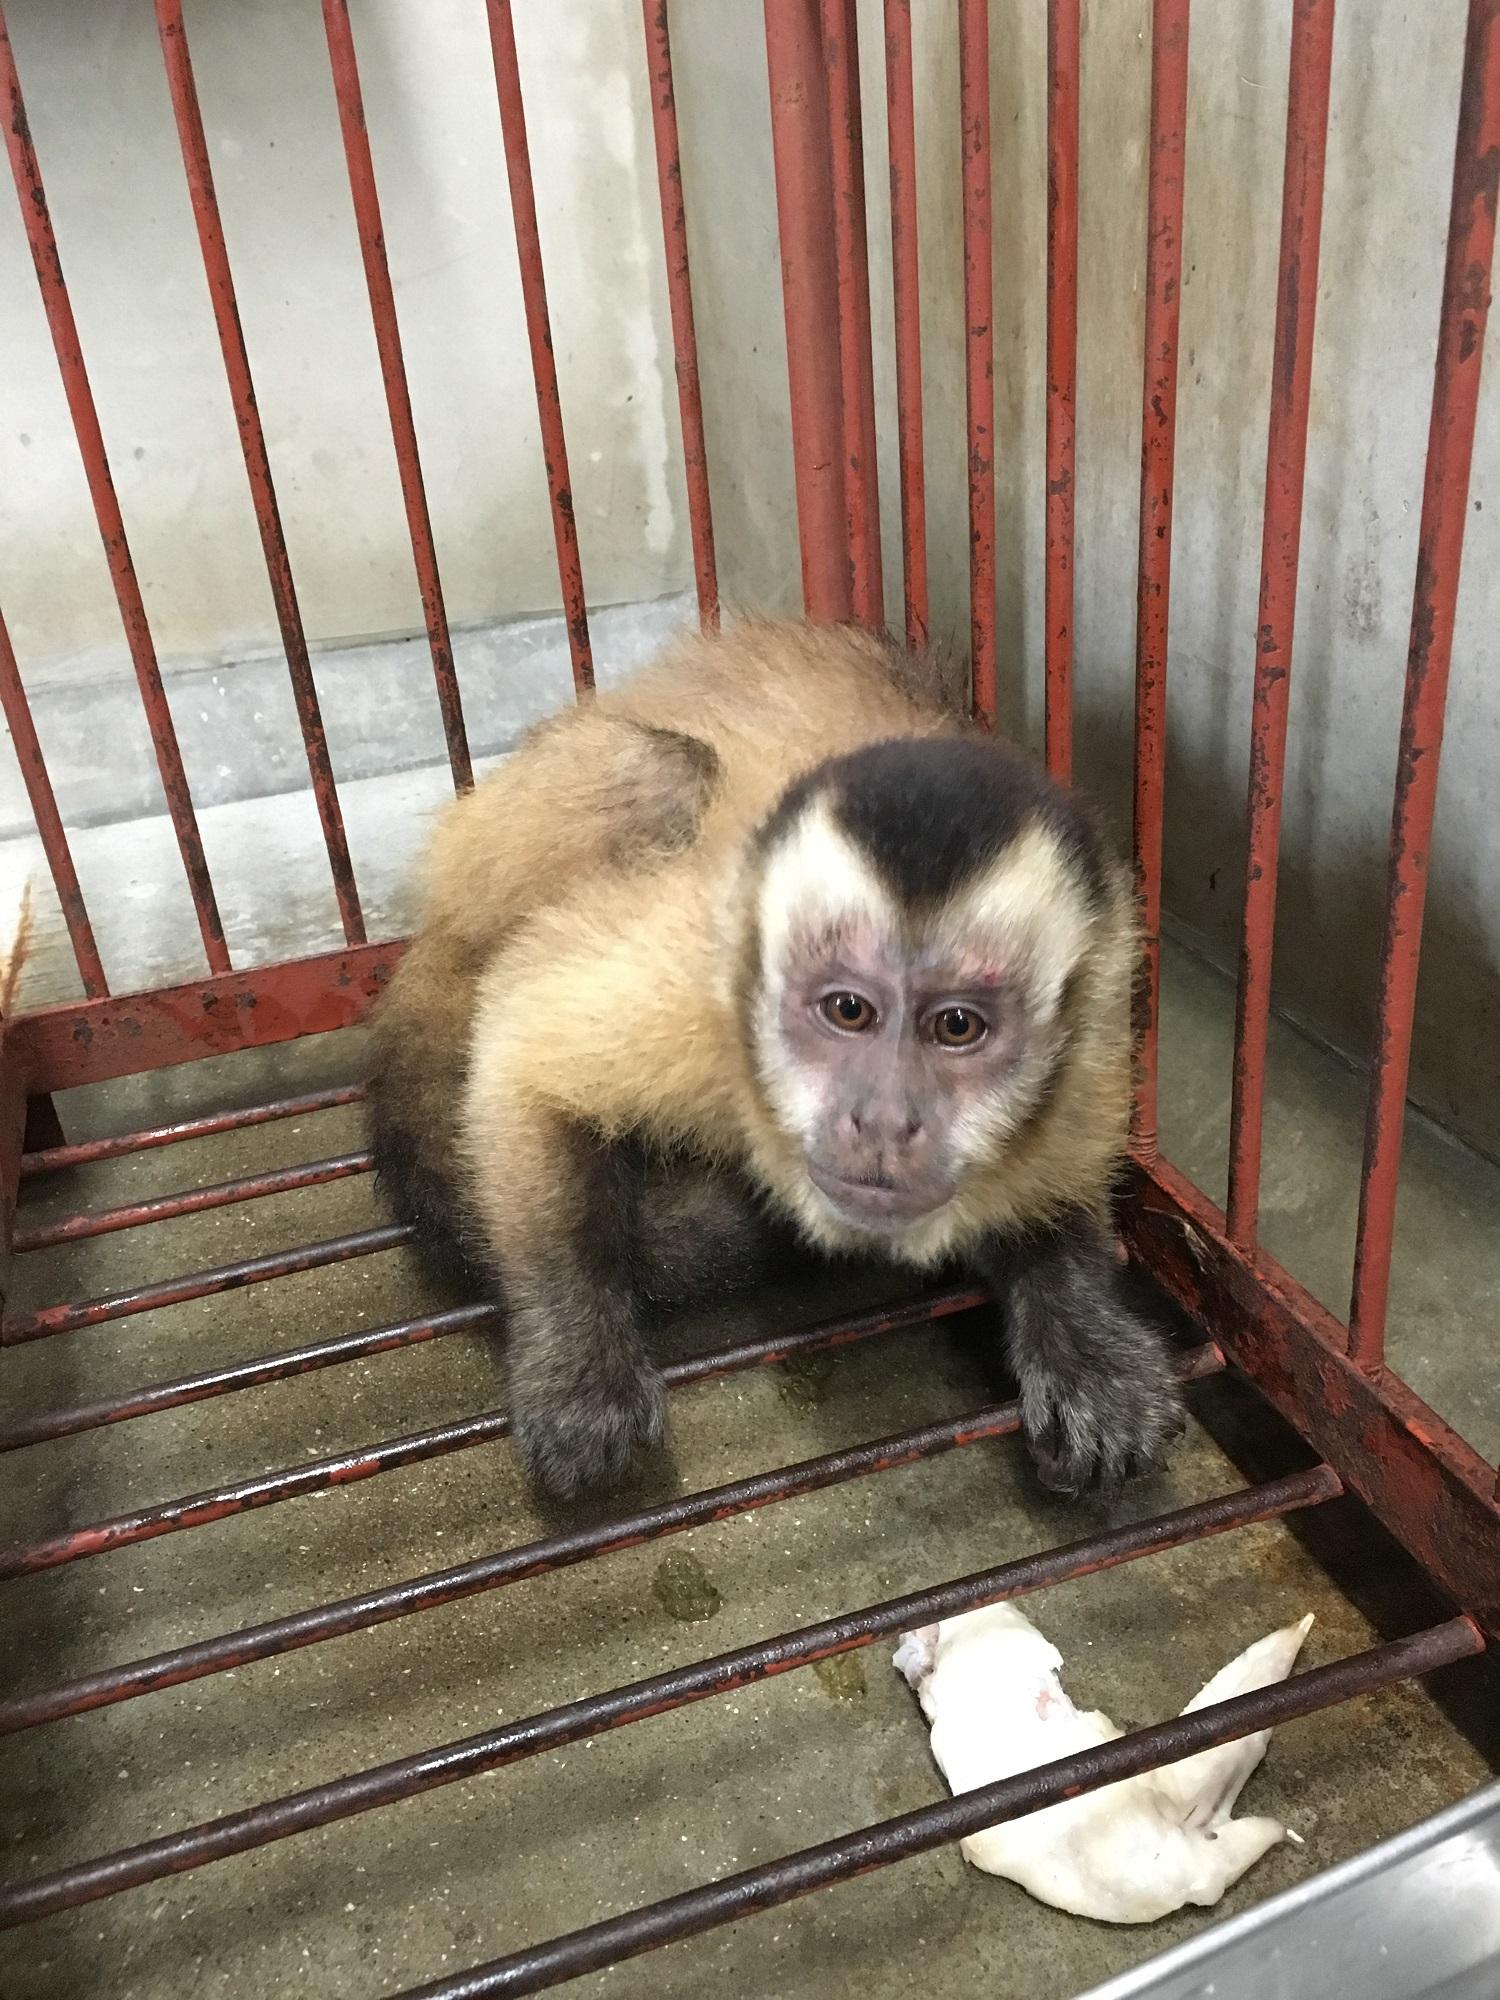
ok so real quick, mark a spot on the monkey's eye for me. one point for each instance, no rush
(959, 1028)
(850, 1013)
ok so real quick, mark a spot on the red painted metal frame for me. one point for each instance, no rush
(802, 148)
(1169, 75)
(901, 129)
(1445, 503)
(851, 254)
(205, 201)
(366, 199)
(680, 303)
(1311, 63)
(86, 1152)
(979, 349)
(539, 335)
(37, 218)
(1063, 63)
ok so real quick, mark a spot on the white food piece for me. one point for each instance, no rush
(1130, 1853)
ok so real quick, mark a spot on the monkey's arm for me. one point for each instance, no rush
(1099, 1399)
(562, 1225)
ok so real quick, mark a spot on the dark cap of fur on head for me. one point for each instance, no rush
(933, 813)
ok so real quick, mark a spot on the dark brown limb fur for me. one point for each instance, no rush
(1100, 1403)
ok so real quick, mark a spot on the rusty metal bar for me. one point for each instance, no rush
(1286, 459)
(424, 1593)
(366, 198)
(802, 146)
(49, 826)
(81, 408)
(75, 1314)
(901, 128)
(205, 201)
(384, 1784)
(1063, 64)
(85, 1223)
(86, 1152)
(92, 1041)
(979, 318)
(539, 335)
(196, 1510)
(70, 1419)
(774, 1883)
(680, 301)
(1445, 502)
(1422, 1482)
(1169, 83)
(852, 266)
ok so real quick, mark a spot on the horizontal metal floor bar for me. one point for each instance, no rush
(85, 1152)
(150, 1397)
(232, 1650)
(84, 1223)
(195, 1510)
(69, 1318)
(697, 1910)
(383, 1784)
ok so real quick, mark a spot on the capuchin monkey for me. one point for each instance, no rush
(769, 948)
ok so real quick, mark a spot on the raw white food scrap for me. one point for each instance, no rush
(1129, 1853)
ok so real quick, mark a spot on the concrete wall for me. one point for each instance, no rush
(104, 133)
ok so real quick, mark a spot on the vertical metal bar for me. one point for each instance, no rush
(1169, 75)
(856, 368)
(48, 820)
(680, 300)
(1445, 501)
(539, 335)
(205, 202)
(802, 147)
(80, 397)
(366, 198)
(1286, 457)
(901, 129)
(1062, 373)
(979, 315)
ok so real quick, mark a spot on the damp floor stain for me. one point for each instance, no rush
(683, 1587)
(842, 1676)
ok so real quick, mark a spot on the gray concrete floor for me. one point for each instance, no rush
(370, 1906)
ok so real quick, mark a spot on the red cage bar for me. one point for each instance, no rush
(205, 202)
(49, 826)
(81, 408)
(366, 198)
(1286, 459)
(901, 131)
(680, 302)
(1374, 1440)
(1445, 503)
(539, 335)
(851, 255)
(802, 147)
(1169, 73)
(1063, 58)
(979, 323)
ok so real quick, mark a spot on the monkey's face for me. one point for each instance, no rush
(902, 1043)
(891, 1062)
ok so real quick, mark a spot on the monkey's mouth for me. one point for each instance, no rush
(875, 1200)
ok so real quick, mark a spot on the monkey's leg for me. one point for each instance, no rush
(585, 1397)
(1099, 1400)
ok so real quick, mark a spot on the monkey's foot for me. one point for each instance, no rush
(1098, 1427)
(594, 1436)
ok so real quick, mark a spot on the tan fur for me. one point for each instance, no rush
(576, 962)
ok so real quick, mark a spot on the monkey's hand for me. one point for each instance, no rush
(582, 1411)
(1099, 1400)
